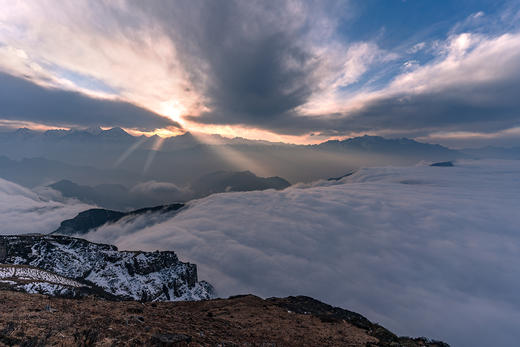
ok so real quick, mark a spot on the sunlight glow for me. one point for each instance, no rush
(153, 152)
(129, 151)
(173, 110)
(238, 160)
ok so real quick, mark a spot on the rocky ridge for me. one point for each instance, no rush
(66, 266)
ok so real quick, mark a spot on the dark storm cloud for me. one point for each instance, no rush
(22, 100)
(485, 108)
(251, 59)
(256, 65)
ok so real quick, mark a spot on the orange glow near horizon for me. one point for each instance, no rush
(226, 131)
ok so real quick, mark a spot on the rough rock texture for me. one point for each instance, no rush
(35, 320)
(96, 217)
(113, 274)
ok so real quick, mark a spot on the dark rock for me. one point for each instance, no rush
(340, 177)
(96, 217)
(443, 164)
(87, 337)
(231, 181)
(170, 339)
(134, 310)
(33, 342)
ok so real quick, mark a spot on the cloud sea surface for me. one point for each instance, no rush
(423, 250)
(24, 211)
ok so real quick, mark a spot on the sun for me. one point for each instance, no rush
(173, 110)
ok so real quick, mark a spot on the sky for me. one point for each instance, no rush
(296, 71)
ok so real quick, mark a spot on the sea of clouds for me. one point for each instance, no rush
(422, 250)
(25, 211)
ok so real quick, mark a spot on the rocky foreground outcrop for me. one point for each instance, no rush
(67, 266)
(35, 320)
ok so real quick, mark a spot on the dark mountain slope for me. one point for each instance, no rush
(229, 181)
(91, 219)
(395, 147)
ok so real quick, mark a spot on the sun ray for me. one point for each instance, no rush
(129, 151)
(238, 160)
(153, 152)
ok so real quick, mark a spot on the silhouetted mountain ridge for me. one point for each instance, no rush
(94, 218)
(378, 144)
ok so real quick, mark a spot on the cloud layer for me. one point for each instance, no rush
(423, 250)
(20, 99)
(24, 211)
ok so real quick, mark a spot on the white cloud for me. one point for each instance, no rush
(464, 59)
(110, 42)
(477, 15)
(417, 47)
(423, 250)
(24, 211)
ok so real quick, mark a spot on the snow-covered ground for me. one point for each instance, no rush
(157, 276)
(33, 280)
(423, 250)
(32, 274)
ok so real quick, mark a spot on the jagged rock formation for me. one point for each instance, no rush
(96, 217)
(61, 265)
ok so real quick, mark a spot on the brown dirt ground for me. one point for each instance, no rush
(37, 320)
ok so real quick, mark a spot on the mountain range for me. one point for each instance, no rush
(175, 159)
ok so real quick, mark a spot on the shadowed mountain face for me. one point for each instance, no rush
(395, 147)
(135, 159)
(94, 218)
(119, 197)
(493, 152)
(223, 181)
(34, 172)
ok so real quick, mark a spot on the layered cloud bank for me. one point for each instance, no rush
(24, 211)
(423, 250)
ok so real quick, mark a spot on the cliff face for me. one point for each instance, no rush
(100, 269)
